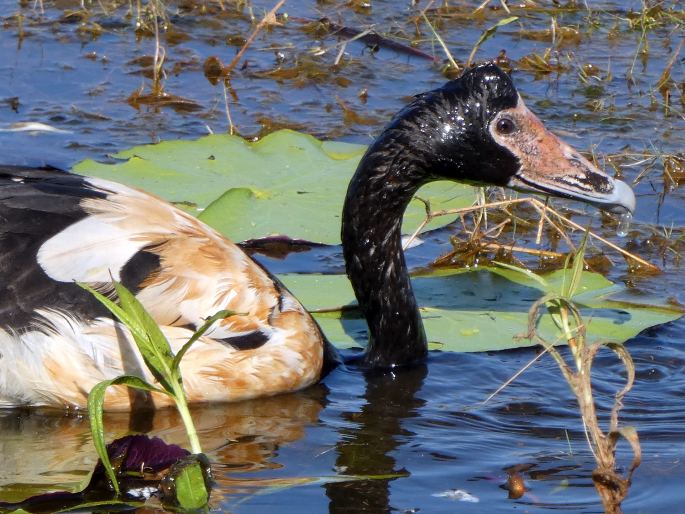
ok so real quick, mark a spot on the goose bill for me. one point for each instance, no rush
(550, 166)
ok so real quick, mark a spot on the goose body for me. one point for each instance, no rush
(57, 341)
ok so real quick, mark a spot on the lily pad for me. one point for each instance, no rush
(288, 184)
(291, 184)
(481, 310)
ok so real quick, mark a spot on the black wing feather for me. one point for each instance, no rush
(36, 204)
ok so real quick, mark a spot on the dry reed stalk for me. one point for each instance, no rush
(542, 208)
(268, 18)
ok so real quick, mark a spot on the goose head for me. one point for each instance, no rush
(474, 129)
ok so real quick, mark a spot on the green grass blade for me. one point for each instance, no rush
(440, 40)
(198, 333)
(525, 272)
(102, 506)
(571, 286)
(96, 402)
(149, 338)
(487, 34)
(154, 346)
(115, 309)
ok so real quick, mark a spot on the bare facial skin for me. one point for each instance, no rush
(548, 165)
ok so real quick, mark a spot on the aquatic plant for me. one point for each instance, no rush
(165, 367)
(610, 484)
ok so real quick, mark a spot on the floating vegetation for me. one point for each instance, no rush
(559, 36)
(542, 64)
(137, 99)
(674, 170)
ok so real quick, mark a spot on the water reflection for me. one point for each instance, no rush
(48, 450)
(366, 448)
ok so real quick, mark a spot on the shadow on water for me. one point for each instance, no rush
(248, 444)
(384, 442)
(239, 437)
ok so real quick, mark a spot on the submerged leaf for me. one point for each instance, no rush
(142, 462)
(140, 452)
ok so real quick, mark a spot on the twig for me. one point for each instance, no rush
(522, 249)
(453, 63)
(514, 376)
(667, 71)
(543, 216)
(542, 210)
(267, 18)
(426, 221)
(497, 228)
(231, 126)
(608, 243)
(540, 207)
(341, 52)
(159, 55)
(486, 2)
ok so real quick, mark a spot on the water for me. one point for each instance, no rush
(624, 220)
(426, 427)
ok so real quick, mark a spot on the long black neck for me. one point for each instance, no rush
(387, 177)
(443, 133)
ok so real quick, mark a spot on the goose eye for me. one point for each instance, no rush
(505, 126)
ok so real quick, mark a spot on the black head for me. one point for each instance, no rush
(454, 121)
(477, 129)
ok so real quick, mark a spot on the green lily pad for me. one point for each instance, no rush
(287, 184)
(481, 310)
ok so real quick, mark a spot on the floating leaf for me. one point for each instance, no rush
(187, 483)
(191, 492)
(287, 184)
(481, 310)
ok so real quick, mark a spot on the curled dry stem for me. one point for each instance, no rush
(611, 485)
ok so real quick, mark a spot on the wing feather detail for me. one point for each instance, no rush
(62, 358)
(200, 271)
